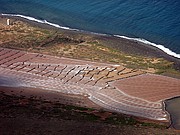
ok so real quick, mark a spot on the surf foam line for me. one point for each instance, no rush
(49, 23)
(161, 47)
(39, 21)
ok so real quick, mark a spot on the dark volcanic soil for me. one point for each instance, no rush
(21, 115)
(124, 45)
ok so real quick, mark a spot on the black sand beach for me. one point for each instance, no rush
(126, 46)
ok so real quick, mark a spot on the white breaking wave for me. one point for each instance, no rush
(49, 23)
(161, 47)
(40, 21)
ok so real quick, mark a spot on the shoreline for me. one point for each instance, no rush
(138, 46)
(136, 39)
(146, 50)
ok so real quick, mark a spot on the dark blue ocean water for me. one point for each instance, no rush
(157, 21)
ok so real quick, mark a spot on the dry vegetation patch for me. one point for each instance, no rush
(23, 36)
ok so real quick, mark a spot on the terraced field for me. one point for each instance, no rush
(113, 87)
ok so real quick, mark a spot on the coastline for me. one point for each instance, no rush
(118, 43)
(128, 45)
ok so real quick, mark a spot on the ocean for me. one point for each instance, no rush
(154, 22)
